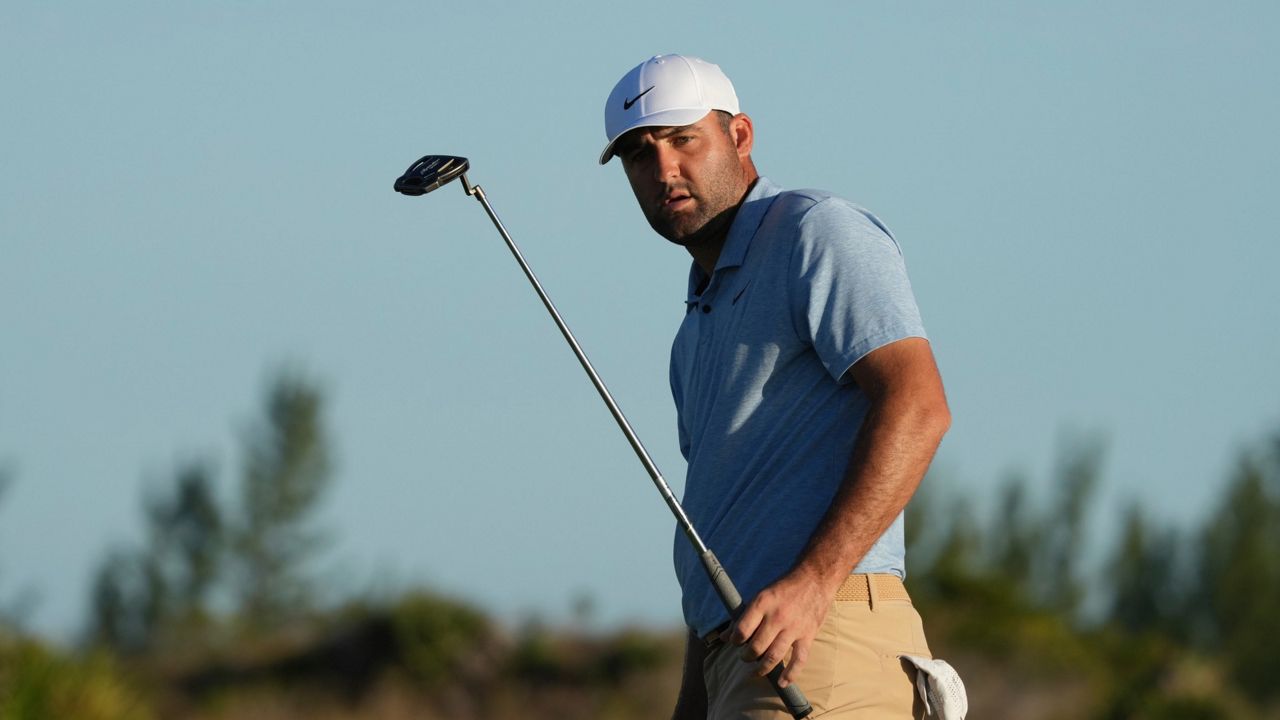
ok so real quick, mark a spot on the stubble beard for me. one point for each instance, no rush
(716, 201)
(692, 229)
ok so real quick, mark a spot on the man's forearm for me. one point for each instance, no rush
(895, 445)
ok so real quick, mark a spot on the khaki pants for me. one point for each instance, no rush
(853, 669)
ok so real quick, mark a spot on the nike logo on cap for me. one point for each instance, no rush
(626, 104)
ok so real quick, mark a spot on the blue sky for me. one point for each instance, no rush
(195, 194)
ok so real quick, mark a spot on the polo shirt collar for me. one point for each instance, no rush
(744, 227)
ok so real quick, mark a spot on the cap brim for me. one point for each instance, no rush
(666, 118)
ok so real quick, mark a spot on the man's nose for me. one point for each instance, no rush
(666, 163)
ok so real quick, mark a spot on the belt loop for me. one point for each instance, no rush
(872, 595)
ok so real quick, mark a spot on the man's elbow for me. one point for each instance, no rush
(940, 419)
(933, 416)
(923, 415)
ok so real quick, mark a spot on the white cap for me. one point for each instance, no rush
(665, 91)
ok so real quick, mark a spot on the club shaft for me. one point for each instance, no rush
(791, 695)
(663, 488)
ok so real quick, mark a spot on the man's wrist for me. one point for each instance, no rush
(826, 576)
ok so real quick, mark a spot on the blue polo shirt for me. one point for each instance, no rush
(805, 285)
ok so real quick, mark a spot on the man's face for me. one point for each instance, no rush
(689, 179)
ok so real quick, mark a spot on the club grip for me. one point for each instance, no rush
(791, 696)
(724, 586)
(797, 704)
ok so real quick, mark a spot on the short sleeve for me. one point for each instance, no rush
(849, 288)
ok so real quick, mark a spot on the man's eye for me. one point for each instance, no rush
(681, 139)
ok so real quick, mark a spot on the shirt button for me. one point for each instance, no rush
(706, 308)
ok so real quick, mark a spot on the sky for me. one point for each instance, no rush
(197, 195)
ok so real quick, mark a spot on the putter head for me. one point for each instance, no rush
(429, 173)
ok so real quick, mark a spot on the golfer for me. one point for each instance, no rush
(809, 408)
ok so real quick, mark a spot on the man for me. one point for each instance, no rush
(809, 408)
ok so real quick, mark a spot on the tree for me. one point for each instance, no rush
(5, 620)
(1148, 595)
(186, 541)
(157, 593)
(161, 595)
(1240, 573)
(1014, 537)
(287, 470)
(126, 602)
(1078, 470)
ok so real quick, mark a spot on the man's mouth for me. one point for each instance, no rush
(676, 201)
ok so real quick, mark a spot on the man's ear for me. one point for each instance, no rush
(743, 134)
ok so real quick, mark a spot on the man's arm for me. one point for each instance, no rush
(906, 420)
(692, 702)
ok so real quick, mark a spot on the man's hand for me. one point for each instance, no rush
(783, 618)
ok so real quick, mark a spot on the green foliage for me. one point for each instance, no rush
(160, 596)
(159, 592)
(14, 607)
(4, 485)
(1014, 536)
(1061, 547)
(1012, 588)
(1012, 591)
(538, 658)
(1153, 676)
(1190, 628)
(1184, 708)
(126, 600)
(1239, 573)
(1026, 559)
(38, 684)
(287, 470)
(632, 652)
(435, 635)
(186, 540)
(1149, 595)
(543, 657)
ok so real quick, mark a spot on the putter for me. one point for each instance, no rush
(434, 171)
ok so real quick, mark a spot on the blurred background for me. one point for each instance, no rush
(277, 442)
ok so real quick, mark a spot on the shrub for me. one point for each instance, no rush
(37, 683)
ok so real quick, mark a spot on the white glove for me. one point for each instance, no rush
(940, 688)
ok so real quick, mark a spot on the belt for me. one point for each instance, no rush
(868, 588)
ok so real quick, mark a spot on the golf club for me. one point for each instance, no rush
(434, 171)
